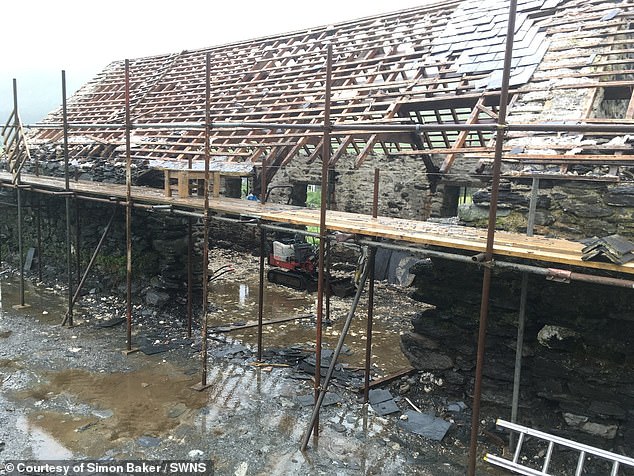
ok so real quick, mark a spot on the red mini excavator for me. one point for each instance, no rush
(295, 265)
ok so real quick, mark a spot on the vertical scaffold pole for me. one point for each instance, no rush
(190, 266)
(486, 279)
(38, 218)
(190, 275)
(203, 380)
(69, 266)
(77, 242)
(521, 318)
(261, 291)
(128, 209)
(16, 125)
(371, 261)
(325, 163)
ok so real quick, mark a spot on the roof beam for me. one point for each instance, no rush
(462, 137)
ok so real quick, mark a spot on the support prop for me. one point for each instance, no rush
(331, 368)
(89, 267)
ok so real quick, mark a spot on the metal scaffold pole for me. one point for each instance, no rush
(38, 219)
(521, 319)
(202, 385)
(325, 161)
(128, 211)
(69, 266)
(488, 254)
(370, 264)
(16, 120)
(190, 275)
(261, 291)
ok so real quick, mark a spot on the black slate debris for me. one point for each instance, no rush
(425, 425)
(111, 322)
(614, 247)
(329, 399)
(382, 402)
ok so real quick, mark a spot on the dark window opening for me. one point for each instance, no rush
(453, 197)
(233, 187)
(298, 194)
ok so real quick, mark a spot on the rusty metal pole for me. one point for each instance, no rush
(371, 261)
(67, 198)
(203, 380)
(77, 242)
(325, 162)
(38, 218)
(190, 267)
(327, 284)
(328, 260)
(128, 209)
(261, 291)
(486, 280)
(190, 275)
(20, 245)
(16, 124)
(263, 181)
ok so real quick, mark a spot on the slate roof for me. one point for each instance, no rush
(476, 34)
(427, 64)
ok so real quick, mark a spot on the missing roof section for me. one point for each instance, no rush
(476, 35)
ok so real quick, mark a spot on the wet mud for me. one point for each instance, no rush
(72, 394)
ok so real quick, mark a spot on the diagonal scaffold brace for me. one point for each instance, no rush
(344, 332)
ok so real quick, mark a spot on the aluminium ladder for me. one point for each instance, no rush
(584, 451)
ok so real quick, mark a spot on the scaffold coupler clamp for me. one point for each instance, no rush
(480, 258)
(559, 275)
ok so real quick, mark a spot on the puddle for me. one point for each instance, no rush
(143, 406)
(46, 304)
(42, 445)
(96, 410)
(238, 302)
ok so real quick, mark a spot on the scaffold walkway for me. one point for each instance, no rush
(425, 233)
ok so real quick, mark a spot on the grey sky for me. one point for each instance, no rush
(42, 37)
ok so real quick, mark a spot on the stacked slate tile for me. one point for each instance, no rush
(615, 248)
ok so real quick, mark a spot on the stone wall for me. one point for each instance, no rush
(573, 210)
(159, 243)
(403, 191)
(578, 356)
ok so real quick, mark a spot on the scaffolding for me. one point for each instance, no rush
(325, 129)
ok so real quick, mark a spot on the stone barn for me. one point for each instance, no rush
(518, 155)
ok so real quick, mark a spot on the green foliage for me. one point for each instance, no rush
(313, 199)
(310, 239)
(112, 265)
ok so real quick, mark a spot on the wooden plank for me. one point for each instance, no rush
(216, 184)
(167, 183)
(534, 249)
(183, 183)
(389, 378)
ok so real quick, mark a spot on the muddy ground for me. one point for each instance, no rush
(70, 393)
